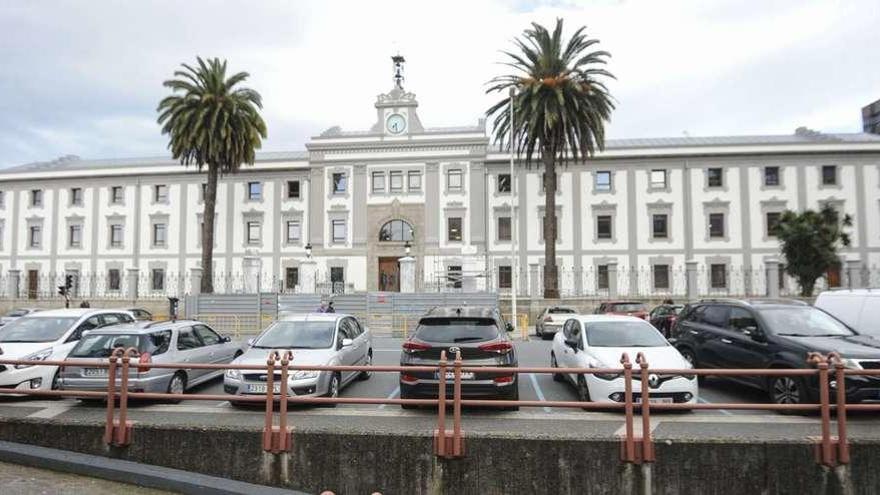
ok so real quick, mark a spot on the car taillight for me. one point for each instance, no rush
(411, 347)
(408, 378)
(503, 379)
(547, 319)
(144, 359)
(499, 347)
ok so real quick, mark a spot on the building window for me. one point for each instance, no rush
(504, 185)
(2, 199)
(454, 180)
(771, 176)
(160, 193)
(715, 177)
(255, 191)
(396, 231)
(378, 182)
(658, 178)
(414, 179)
(716, 225)
(453, 276)
(116, 235)
(661, 276)
(37, 197)
(773, 219)
(114, 281)
(293, 189)
(505, 277)
(294, 231)
(160, 235)
(116, 195)
(74, 237)
(602, 277)
(603, 180)
(291, 278)
(340, 184)
(396, 180)
(35, 239)
(453, 229)
(504, 229)
(603, 227)
(76, 196)
(718, 276)
(340, 233)
(203, 191)
(337, 279)
(254, 232)
(829, 175)
(157, 279)
(660, 225)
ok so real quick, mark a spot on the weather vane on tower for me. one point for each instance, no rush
(398, 61)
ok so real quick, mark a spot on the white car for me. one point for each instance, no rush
(550, 321)
(598, 341)
(48, 336)
(16, 314)
(329, 339)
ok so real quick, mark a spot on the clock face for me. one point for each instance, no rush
(395, 123)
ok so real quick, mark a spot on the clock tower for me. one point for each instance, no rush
(396, 110)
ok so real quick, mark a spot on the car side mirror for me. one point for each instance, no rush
(754, 334)
(347, 342)
(225, 339)
(508, 327)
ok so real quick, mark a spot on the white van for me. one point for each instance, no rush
(858, 308)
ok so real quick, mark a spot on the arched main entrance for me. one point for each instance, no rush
(393, 232)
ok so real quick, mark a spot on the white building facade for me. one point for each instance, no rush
(632, 219)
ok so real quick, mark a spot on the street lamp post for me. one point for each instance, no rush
(513, 270)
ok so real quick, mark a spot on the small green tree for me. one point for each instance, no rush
(809, 244)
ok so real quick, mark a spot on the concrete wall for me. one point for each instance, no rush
(403, 464)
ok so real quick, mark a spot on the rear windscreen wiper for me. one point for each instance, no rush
(467, 339)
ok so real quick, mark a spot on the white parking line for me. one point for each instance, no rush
(637, 427)
(51, 411)
(538, 391)
(723, 411)
(225, 403)
(393, 395)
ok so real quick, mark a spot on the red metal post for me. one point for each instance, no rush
(647, 442)
(283, 438)
(440, 434)
(457, 442)
(123, 426)
(270, 400)
(840, 379)
(110, 428)
(825, 456)
(629, 453)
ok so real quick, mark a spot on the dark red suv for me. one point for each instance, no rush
(626, 308)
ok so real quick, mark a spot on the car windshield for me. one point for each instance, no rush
(623, 334)
(101, 345)
(627, 307)
(297, 335)
(803, 322)
(561, 311)
(454, 330)
(36, 329)
(17, 312)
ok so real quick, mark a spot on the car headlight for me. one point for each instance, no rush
(849, 363)
(233, 374)
(37, 356)
(604, 376)
(303, 374)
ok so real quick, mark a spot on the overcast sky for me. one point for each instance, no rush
(84, 77)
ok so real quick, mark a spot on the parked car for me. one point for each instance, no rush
(598, 341)
(857, 308)
(16, 314)
(181, 341)
(625, 308)
(759, 334)
(48, 336)
(325, 339)
(481, 336)
(551, 320)
(141, 314)
(663, 317)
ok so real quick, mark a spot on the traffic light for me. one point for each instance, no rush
(62, 290)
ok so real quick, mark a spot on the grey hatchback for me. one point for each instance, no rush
(180, 341)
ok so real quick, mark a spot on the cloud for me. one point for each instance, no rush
(85, 77)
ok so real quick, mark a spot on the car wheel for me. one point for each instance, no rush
(407, 406)
(513, 396)
(333, 389)
(539, 332)
(56, 381)
(689, 356)
(583, 390)
(787, 390)
(177, 385)
(557, 377)
(365, 375)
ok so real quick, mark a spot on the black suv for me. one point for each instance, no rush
(760, 333)
(481, 336)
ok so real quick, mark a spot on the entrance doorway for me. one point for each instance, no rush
(389, 275)
(33, 284)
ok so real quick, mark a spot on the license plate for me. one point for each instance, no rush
(95, 372)
(656, 400)
(465, 375)
(260, 388)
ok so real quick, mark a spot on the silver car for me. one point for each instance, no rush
(16, 314)
(157, 342)
(315, 339)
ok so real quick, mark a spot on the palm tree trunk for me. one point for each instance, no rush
(551, 275)
(208, 229)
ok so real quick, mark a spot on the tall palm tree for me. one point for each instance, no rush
(560, 108)
(211, 123)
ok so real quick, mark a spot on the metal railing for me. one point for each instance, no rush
(636, 447)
